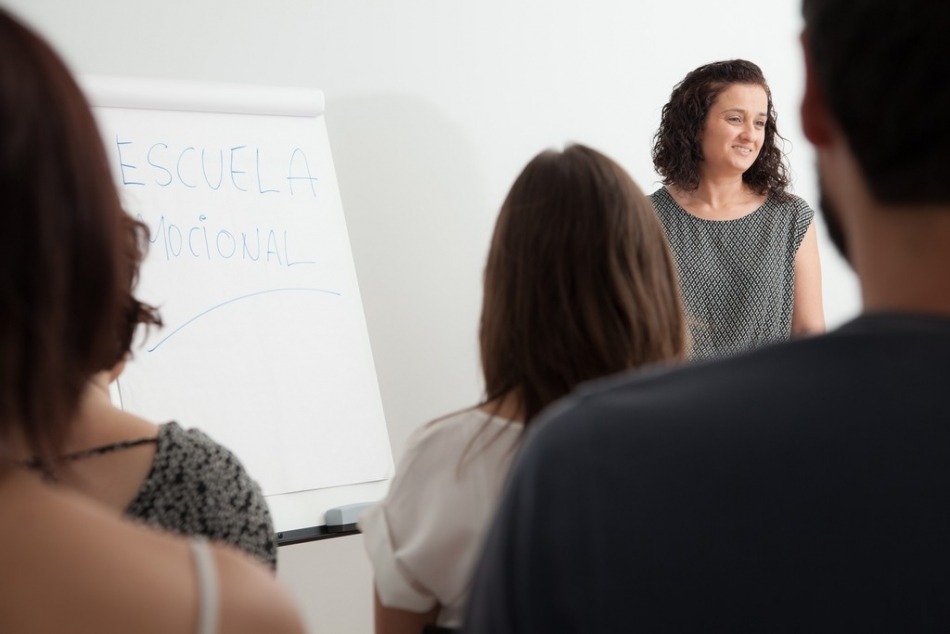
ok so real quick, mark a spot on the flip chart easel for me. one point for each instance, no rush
(265, 346)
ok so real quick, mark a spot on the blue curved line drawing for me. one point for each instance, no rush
(237, 299)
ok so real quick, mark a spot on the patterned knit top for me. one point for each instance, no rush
(197, 487)
(737, 276)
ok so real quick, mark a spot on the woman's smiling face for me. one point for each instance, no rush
(734, 130)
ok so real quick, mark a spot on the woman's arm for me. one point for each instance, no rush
(396, 621)
(808, 316)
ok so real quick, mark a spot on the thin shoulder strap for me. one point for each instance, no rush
(207, 585)
(110, 448)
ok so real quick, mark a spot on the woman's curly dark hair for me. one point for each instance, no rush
(677, 152)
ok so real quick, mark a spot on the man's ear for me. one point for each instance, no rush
(816, 120)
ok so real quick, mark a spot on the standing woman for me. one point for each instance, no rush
(67, 563)
(579, 284)
(745, 248)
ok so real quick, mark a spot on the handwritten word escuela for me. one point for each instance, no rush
(237, 167)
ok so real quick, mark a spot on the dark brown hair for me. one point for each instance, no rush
(882, 67)
(60, 263)
(134, 312)
(579, 281)
(677, 146)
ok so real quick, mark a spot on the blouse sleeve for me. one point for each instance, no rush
(423, 537)
(803, 217)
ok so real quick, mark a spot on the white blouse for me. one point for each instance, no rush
(424, 537)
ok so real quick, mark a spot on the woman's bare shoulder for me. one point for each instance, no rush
(252, 600)
(69, 561)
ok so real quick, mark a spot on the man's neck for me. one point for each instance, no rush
(902, 257)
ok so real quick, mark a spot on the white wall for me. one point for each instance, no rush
(433, 106)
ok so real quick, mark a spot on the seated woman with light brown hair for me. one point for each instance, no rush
(579, 284)
(68, 563)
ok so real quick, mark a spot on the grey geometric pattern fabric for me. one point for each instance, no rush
(198, 487)
(737, 276)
